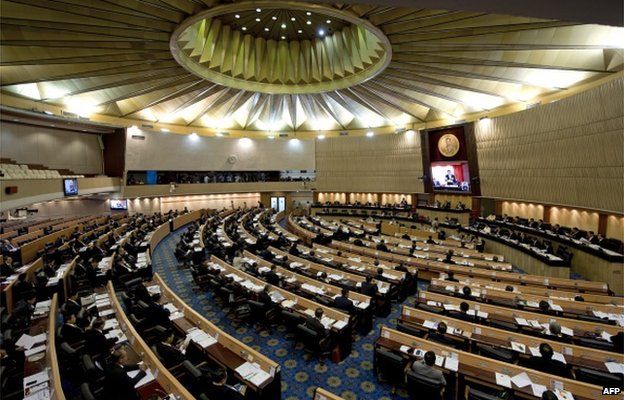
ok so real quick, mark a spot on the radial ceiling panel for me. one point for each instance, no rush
(286, 65)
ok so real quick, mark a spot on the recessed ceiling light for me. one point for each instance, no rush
(244, 28)
(271, 137)
(328, 21)
(164, 129)
(258, 10)
(219, 134)
(299, 31)
(257, 19)
(308, 22)
(266, 29)
(274, 18)
(292, 19)
(308, 13)
(236, 16)
(321, 137)
(283, 26)
(370, 134)
(283, 37)
(321, 32)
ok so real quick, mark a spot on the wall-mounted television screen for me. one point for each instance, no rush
(70, 187)
(119, 204)
(450, 176)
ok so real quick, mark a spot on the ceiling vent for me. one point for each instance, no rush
(283, 135)
(344, 133)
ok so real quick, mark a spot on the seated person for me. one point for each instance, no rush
(448, 259)
(272, 277)
(219, 389)
(294, 250)
(381, 246)
(7, 268)
(23, 309)
(314, 323)
(168, 352)
(467, 293)
(379, 275)
(265, 298)
(547, 364)
(430, 240)
(450, 276)
(368, 287)
(343, 302)
(117, 384)
(71, 332)
(462, 313)
(426, 368)
(439, 335)
(95, 341)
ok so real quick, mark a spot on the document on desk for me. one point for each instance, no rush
(452, 364)
(106, 312)
(36, 379)
(535, 351)
(340, 324)
(430, 324)
(503, 380)
(43, 394)
(35, 350)
(522, 321)
(615, 367)
(519, 347)
(559, 357)
(146, 379)
(449, 307)
(563, 394)
(110, 324)
(538, 389)
(26, 341)
(439, 361)
(521, 380)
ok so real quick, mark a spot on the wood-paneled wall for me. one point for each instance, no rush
(385, 163)
(569, 152)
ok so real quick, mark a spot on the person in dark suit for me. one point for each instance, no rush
(462, 313)
(95, 341)
(381, 246)
(430, 240)
(219, 389)
(169, 354)
(368, 287)
(450, 276)
(294, 250)
(71, 332)
(6, 268)
(23, 309)
(343, 302)
(547, 364)
(71, 304)
(314, 323)
(448, 259)
(272, 277)
(265, 298)
(117, 384)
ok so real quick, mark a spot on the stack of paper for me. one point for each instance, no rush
(288, 304)
(26, 341)
(149, 377)
(253, 373)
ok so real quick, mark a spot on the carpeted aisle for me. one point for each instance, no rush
(353, 378)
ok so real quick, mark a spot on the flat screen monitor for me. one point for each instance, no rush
(451, 176)
(119, 204)
(70, 187)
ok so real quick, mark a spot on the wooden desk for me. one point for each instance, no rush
(187, 219)
(509, 315)
(482, 370)
(322, 394)
(479, 334)
(30, 272)
(228, 351)
(165, 381)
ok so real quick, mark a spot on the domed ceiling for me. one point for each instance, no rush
(286, 65)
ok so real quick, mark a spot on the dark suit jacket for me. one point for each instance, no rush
(222, 393)
(118, 385)
(265, 299)
(316, 326)
(344, 304)
(6, 269)
(272, 278)
(369, 289)
(72, 333)
(97, 343)
(552, 367)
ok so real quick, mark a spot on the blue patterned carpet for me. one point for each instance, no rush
(353, 378)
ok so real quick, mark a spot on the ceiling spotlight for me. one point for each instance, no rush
(164, 130)
(236, 16)
(321, 32)
(283, 37)
(274, 18)
(292, 19)
(308, 22)
(321, 137)
(244, 28)
(271, 137)
(266, 29)
(283, 26)
(258, 10)
(308, 13)
(328, 21)
(257, 19)
(370, 134)
(219, 134)
(299, 31)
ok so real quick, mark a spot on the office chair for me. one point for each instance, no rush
(411, 330)
(505, 355)
(599, 378)
(87, 394)
(422, 388)
(389, 367)
(291, 320)
(313, 345)
(475, 394)
(595, 344)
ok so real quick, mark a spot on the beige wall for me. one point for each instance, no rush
(570, 152)
(72, 207)
(53, 148)
(384, 163)
(172, 152)
(584, 220)
(523, 210)
(214, 201)
(615, 227)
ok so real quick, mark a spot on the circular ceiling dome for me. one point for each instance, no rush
(280, 47)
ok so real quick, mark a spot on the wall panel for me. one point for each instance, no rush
(523, 210)
(53, 148)
(569, 152)
(171, 152)
(385, 163)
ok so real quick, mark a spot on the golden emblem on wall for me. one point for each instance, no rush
(448, 145)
